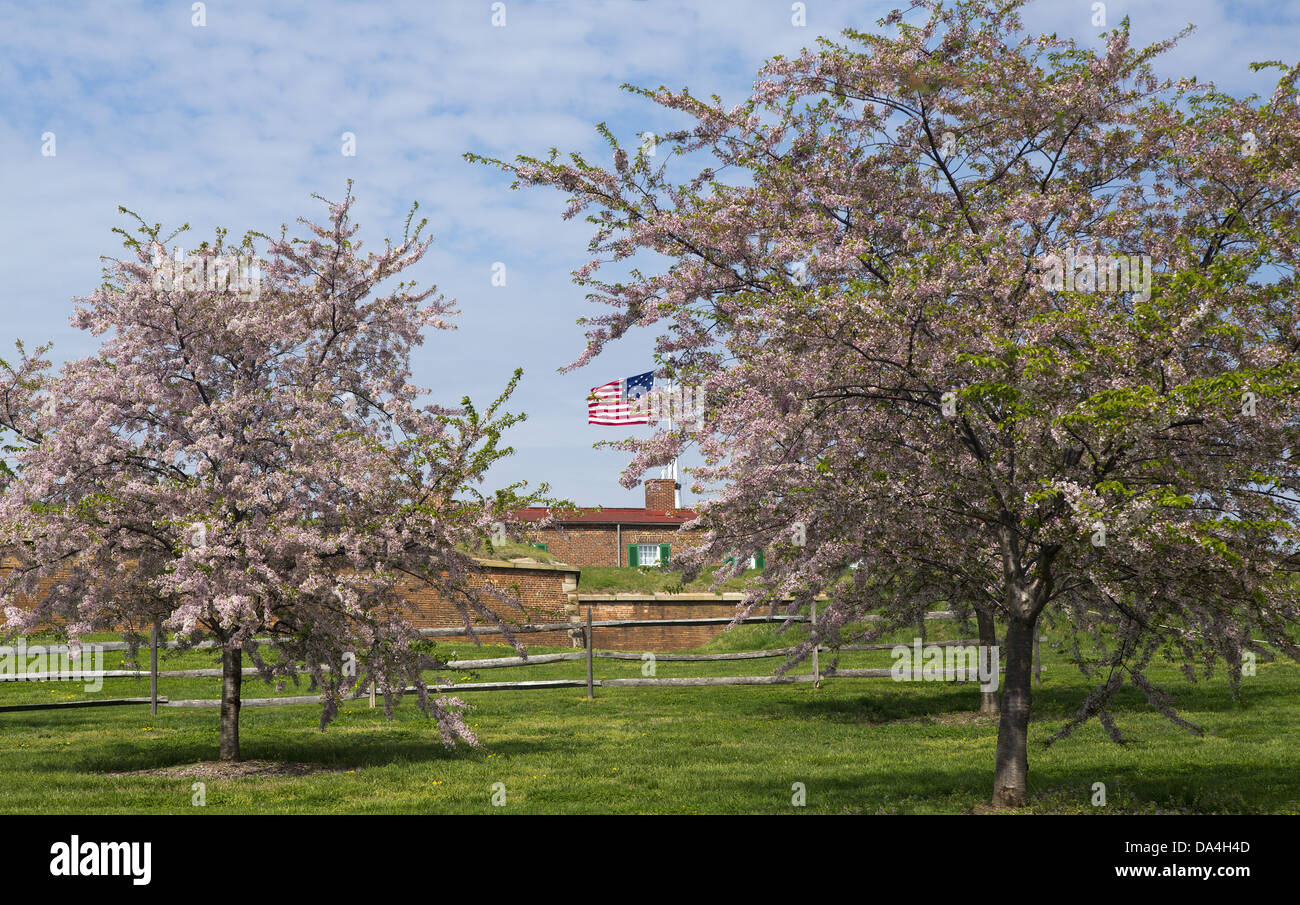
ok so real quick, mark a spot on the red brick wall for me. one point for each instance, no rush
(599, 545)
(543, 594)
(587, 545)
(548, 595)
(542, 590)
(649, 606)
(660, 494)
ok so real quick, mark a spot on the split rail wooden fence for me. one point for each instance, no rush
(589, 654)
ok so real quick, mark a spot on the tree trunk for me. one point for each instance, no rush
(1010, 778)
(988, 639)
(231, 677)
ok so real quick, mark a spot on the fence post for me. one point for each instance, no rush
(372, 694)
(153, 669)
(590, 684)
(817, 672)
(1038, 662)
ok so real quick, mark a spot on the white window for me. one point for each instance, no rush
(647, 554)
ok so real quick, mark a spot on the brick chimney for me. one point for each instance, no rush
(659, 493)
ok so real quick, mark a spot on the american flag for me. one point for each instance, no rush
(610, 403)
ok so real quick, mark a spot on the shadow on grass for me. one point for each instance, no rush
(904, 789)
(1060, 702)
(880, 708)
(354, 754)
(379, 745)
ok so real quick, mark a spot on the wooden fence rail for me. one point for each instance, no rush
(488, 663)
(588, 654)
(496, 630)
(647, 623)
(89, 702)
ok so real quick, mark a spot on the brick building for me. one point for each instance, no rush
(548, 595)
(548, 592)
(616, 536)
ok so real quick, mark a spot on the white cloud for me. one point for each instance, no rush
(238, 123)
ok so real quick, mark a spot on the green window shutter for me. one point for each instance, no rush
(729, 561)
(631, 555)
(760, 560)
(541, 547)
(663, 554)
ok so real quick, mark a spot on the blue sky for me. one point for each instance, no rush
(237, 123)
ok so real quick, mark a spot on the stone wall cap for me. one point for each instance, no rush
(685, 596)
(527, 564)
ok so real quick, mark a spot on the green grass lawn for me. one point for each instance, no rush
(614, 580)
(513, 550)
(858, 746)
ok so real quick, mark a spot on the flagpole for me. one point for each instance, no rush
(677, 494)
(664, 471)
(670, 470)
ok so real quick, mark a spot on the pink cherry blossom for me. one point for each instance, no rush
(239, 464)
(923, 405)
